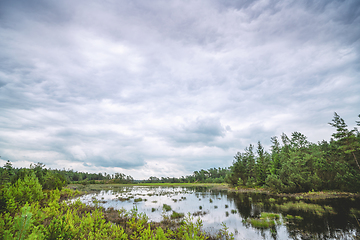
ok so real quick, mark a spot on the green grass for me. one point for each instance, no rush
(306, 207)
(267, 215)
(266, 220)
(261, 223)
(138, 199)
(176, 215)
(355, 212)
(166, 207)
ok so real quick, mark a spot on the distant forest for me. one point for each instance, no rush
(293, 165)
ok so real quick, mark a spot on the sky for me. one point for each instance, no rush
(164, 88)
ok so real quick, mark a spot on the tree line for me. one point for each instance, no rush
(296, 165)
(56, 178)
(212, 175)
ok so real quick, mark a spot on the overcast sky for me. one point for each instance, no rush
(164, 88)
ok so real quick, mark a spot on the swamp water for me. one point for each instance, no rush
(247, 215)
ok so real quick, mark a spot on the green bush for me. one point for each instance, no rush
(27, 190)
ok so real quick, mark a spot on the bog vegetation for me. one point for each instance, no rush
(31, 205)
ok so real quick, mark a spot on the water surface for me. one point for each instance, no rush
(298, 218)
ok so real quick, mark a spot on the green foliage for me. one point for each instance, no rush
(166, 207)
(176, 215)
(27, 190)
(53, 181)
(22, 223)
(297, 165)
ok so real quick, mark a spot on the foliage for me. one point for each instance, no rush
(297, 165)
(212, 175)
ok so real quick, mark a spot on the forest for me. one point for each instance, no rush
(296, 165)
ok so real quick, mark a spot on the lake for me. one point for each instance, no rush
(247, 215)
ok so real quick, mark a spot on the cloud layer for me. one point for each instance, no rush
(165, 88)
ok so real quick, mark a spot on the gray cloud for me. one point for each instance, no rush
(158, 87)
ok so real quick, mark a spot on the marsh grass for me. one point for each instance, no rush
(138, 199)
(355, 212)
(268, 215)
(266, 220)
(261, 223)
(176, 215)
(306, 207)
(166, 207)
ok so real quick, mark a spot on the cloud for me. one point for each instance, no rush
(153, 87)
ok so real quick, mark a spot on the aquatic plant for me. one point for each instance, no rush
(166, 207)
(270, 215)
(176, 215)
(224, 233)
(307, 207)
(261, 223)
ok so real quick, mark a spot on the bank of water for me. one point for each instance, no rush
(247, 215)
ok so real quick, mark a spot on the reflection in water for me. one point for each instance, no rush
(241, 212)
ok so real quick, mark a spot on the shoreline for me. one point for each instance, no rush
(325, 194)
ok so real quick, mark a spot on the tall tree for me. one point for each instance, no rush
(346, 139)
